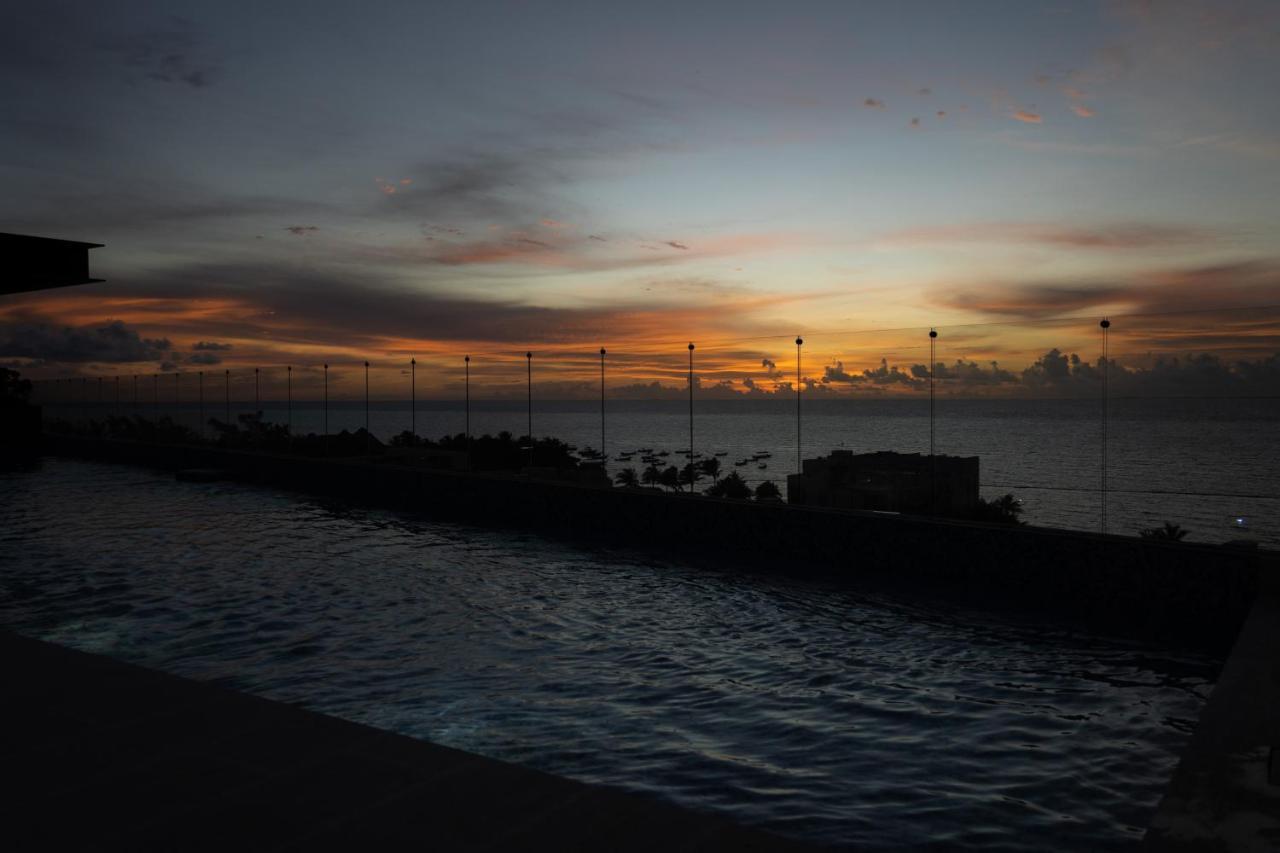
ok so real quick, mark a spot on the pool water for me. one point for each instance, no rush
(833, 712)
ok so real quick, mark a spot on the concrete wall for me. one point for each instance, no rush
(1197, 594)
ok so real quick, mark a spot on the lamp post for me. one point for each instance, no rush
(288, 405)
(413, 397)
(603, 456)
(933, 463)
(799, 462)
(528, 357)
(202, 404)
(466, 405)
(1105, 325)
(691, 477)
(257, 391)
(226, 390)
(368, 444)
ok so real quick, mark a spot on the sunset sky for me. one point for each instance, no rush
(308, 182)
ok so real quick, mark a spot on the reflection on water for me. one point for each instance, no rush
(845, 716)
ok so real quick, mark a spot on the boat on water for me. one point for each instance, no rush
(722, 453)
(763, 465)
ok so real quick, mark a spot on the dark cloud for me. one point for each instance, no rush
(925, 91)
(210, 346)
(205, 358)
(968, 373)
(290, 304)
(109, 343)
(174, 54)
(1202, 288)
(882, 375)
(1062, 374)
(915, 122)
(300, 230)
(503, 187)
(675, 244)
(873, 103)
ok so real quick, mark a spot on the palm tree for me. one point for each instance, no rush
(627, 478)
(711, 467)
(652, 476)
(671, 477)
(688, 474)
(1169, 532)
(732, 486)
(767, 491)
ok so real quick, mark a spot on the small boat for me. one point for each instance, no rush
(722, 453)
(762, 466)
(764, 455)
(664, 453)
(739, 464)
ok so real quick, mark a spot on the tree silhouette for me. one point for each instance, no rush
(652, 476)
(1002, 510)
(1169, 532)
(767, 491)
(671, 477)
(688, 474)
(711, 467)
(14, 390)
(732, 487)
(627, 478)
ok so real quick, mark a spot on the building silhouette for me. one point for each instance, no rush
(887, 481)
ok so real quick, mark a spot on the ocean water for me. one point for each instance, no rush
(848, 715)
(1210, 465)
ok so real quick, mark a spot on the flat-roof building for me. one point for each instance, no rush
(887, 481)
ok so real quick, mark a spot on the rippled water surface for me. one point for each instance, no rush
(847, 716)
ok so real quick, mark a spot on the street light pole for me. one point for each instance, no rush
(933, 460)
(466, 405)
(691, 477)
(528, 357)
(799, 462)
(603, 456)
(1106, 370)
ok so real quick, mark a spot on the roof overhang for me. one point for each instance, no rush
(41, 263)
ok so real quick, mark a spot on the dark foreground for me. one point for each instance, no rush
(110, 756)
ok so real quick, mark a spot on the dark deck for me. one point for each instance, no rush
(108, 756)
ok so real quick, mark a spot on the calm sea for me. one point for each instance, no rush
(1210, 465)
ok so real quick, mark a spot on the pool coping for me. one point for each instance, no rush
(109, 755)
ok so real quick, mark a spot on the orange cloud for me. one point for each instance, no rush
(1081, 110)
(1027, 117)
